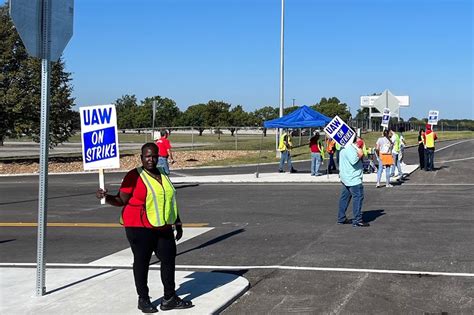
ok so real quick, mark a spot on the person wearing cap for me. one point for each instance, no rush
(429, 139)
(164, 151)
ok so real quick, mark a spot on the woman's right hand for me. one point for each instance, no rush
(101, 193)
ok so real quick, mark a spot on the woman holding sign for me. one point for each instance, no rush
(149, 214)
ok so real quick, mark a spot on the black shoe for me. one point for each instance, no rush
(361, 224)
(281, 171)
(293, 171)
(346, 221)
(144, 304)
(175, 302)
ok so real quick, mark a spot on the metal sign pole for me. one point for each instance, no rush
(153, 124)
(44, 151)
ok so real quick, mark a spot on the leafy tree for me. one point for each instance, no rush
(217, 113)
(332, 107)
(362, 114)
(126, 107)
(194, 116)
(259, 116)
(167, 112)
(289, 110)
(20, 90)
(238, 117)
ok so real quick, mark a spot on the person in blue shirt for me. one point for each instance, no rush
(350, 172)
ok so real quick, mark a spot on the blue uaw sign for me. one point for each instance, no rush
(433, 117)
(99, 137)
(385, 117)
(338, 130)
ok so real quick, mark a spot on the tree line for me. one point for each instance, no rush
(132, 114)
(20, 101)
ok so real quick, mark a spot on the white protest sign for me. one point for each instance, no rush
(100, 147)
(385, 117)
(433, 117)
(338, 130)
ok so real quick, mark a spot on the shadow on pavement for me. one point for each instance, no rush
(79, 281)
(214, 241)
(372, 215)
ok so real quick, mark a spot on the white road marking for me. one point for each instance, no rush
(430, 184)
(213, 267)
(469, 158)
(456, 143)
(126, 257)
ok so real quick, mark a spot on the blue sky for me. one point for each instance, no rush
(193, 51)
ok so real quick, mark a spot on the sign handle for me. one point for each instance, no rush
(101, 183)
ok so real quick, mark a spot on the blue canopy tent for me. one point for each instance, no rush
(303, 117)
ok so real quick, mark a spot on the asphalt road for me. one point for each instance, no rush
(425, 224)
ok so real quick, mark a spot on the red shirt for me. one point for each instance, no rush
(313, 144)
(163, 146)
(134, 213)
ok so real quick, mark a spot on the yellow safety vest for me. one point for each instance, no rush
(160, 204)
(430, 141)
(281, 144)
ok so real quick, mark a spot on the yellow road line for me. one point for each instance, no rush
(101, 225)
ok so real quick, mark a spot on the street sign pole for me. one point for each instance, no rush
(44, 150)
(45, 28)
(153, 123)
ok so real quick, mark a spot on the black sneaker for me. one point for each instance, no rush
(346, 221)
(293, 171)
(361, 224)
(175, 302)
(281, 171)
(145, 305)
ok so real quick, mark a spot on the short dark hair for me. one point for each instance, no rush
(163, 132)
(149, 145)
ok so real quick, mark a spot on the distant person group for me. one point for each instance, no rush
(352, 160)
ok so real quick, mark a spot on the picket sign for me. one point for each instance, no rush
(338, 130)
(433, 116)
(385, 117)
(100, 148)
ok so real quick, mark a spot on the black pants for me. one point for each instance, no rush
(144, 242)
(421, 155)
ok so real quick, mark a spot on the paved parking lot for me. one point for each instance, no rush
(416, 257)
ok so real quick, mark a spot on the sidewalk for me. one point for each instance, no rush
(105, 286)
(279, 178)
(111, 291)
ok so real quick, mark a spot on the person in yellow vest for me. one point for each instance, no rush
(396, 150)
(149, 215)
(284, 146)
(429, 139)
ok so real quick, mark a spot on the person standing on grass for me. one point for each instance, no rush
(316, 146)
(350, 172)
(164, 151)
